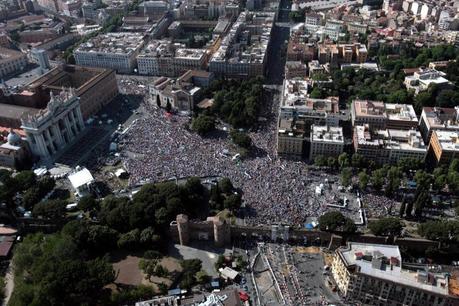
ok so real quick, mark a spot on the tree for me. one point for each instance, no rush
(357, 161)
(153, 254)
(87, 203)
(148, 267)
(163, 288)
(191, 265)
(377, 179)
(202, 277)
(346, 176)
(225, 185)
(320, 161)
(386, 227)
(423, 180)
(129, 240)
(232, 202)
(25, 180)
(363, 180)
(161, 271)
(446, 231)
(331, 162)
(50, 209)
(316, 93)
(241, 139)
(422, 200)
(203, 124)
(343, 160)
(334, 221)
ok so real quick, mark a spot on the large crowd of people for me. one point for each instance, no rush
(159, 146)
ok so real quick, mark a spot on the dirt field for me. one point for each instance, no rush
(128, 271)
(127, 268)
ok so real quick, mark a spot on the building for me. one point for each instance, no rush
(291, 134)
(164, 58)
(295, 69)
(117, 51)
(14, 152)
(388, 145)
(443, 147)
(227, 297)
(422, 78)
(373, 274)
(438, 119)
(11, 62)
(51, 130)
(336, 54)
(180, 96)
(95, 87)
(243, 52)
(41, 57)
(154, 9)
(382, 115)
(315, 68)
(326, 141)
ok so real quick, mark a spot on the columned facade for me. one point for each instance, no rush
(51, 130)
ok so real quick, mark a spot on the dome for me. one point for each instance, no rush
(13, 138)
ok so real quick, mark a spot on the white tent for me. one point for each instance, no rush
(80, 180)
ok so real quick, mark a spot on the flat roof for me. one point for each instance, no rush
(15, 111)
(376, 266)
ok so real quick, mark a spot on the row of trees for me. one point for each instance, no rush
(236, 102)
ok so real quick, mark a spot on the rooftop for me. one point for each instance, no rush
(367, 108)
(385, 262)
(441, 117)
(329, 134)
(449, 140)
(391, 139)
(118, 43)
(7, 55)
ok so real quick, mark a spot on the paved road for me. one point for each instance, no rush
(279, 40)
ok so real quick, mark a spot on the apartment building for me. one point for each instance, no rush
(116, 51)
(438, 119)
(11, 62)
(243, 52)
(326, 141)
(163, 58)
(336, 54)
(382, 115)
(443, 147)
(421, 80)
(291, 138)
(388, 145)
(373, 274)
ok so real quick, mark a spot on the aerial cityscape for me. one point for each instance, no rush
(229, 152)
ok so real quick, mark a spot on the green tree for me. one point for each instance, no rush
(331, 163)
(346, 176)
(203, 124)
(335, 221)
(241, 139)
(363, 180)
(50, 209)
(202, 277)
(386, 227)
(343, 160)
(232, 202)
(320, 161)
(87, 203)
(225, 185)
(377, 179)
(161, 271)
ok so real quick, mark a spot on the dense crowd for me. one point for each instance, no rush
(159, 147)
